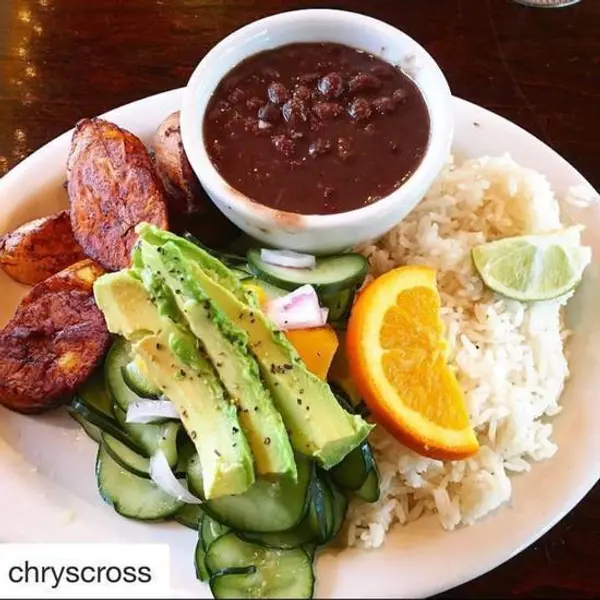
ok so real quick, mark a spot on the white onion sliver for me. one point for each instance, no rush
(288, 258)
(149, 411)
(163, 477)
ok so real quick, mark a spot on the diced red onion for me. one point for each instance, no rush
(288, 258)
(164, 478)
(150, 411)
(298, 310)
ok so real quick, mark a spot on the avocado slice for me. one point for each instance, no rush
(227, 348)
(318, 426)
(175, 365)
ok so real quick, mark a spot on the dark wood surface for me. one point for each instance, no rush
(64, 59)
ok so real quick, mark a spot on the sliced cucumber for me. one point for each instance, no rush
(340, 508)
(131, 496)
(211, 531)
(331, 274)
(118, 357)
(339, 304)
(137, 382)
(200, 562)
(315, 528)
(352, 472)
(276, 573)
(125, 457)
(370, 491)
(267, 506)
(189, 515)
(102, 422)
(93, 393)
(152, 436)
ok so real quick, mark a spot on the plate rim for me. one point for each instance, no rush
(571, 500)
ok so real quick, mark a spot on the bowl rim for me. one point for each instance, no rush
(440, 122)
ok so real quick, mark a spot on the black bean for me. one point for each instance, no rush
(269, 113)
(384, 105)
(284, 144)
(331, 86)
(364, 82)
(360, 109)
(294, 112)
(327, 110)
(278, 93)
(318, 147)
(384, 71)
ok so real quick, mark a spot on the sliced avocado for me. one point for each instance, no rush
(176, 366)
(319, 427)
(227, 348)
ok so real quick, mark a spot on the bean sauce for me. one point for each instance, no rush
(316, 128)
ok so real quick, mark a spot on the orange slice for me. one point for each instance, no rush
(397, 355)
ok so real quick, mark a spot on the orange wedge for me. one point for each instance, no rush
(397, 355)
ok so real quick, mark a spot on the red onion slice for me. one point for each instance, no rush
(298, 310)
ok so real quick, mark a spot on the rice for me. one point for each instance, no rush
(508, 356)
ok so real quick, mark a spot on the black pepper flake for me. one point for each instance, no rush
(181, 373)
(288, 367)
(307, 407)
(267, 441)
(158, 346)
(217, 453)
(256, 409)
(235, 429)
(160, 250)
(219, 365)
(184, 413)
(301, 390)
(193, 435)
(299, 401)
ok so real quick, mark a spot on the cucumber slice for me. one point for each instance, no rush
(340, 508)
(211, 531)
(276, 573)
(132, 497)
(102, 422)
(352, 472)
(125, 457)
(200, 562)
(189, 515)
(315, 528)
(137, 382)
(267, 506)
(93, 393)
(152, 436)
(369, 491)
(118, 357)
(332, 273)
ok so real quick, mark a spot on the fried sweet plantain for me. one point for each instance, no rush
(39, 249)
(54, 341)
(112, 187)
(172, 164)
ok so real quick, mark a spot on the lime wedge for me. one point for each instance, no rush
(533, 267)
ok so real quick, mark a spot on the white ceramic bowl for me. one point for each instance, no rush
(317, 233)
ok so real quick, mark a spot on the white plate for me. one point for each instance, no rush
(47, 466)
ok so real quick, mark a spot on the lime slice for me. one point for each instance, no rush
(533, 267)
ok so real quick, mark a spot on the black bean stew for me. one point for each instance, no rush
(316, 128)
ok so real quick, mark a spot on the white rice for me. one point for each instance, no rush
(508, 356)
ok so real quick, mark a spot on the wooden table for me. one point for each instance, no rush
(64, 59)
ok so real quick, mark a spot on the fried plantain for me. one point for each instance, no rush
(172, 164)
(112, 187)
(39, 249)
(54, 341)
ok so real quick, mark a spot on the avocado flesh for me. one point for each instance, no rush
(318, 426)
(175, 366)
(226, 346)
